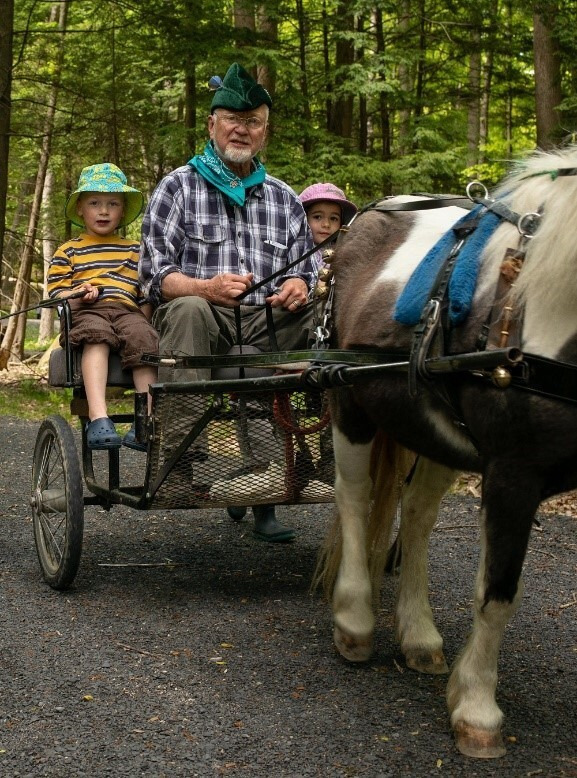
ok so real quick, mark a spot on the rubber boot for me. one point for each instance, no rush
(267, 528)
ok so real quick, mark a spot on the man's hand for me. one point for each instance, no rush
(292, 295)
(224, 288)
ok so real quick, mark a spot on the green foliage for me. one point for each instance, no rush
(130, 67)
(33, 400)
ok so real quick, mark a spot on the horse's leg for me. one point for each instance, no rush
(354, 620)
(510, 501)
(420, 641)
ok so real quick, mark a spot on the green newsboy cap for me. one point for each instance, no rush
(238, 91)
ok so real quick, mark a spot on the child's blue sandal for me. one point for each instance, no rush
(129, 440)
(101, 435)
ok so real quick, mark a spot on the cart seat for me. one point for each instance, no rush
(57, 370)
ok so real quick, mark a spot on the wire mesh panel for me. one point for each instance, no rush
(240, 449)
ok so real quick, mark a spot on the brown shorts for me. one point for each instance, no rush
(125, 330)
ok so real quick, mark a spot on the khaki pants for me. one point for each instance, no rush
(191, 326)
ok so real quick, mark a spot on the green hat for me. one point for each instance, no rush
(105, 177)
(238, 91)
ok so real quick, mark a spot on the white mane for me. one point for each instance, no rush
(547, 283)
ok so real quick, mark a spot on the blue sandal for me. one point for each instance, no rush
(101, 435)
(129, 440)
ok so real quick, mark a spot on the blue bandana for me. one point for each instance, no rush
(212, 168)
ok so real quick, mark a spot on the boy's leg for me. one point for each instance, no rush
(143, 376)
(94, 375)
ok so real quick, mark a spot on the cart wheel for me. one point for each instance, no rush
(236, 513)
(57, 502)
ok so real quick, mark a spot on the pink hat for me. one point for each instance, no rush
(316, 193)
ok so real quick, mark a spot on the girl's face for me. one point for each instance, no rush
(324, 219)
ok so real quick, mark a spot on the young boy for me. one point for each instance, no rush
(112, 314)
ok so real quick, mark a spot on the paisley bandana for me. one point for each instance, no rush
(212, 168)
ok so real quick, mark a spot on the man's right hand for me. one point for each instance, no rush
(223, 289)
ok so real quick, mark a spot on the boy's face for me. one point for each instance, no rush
(324, 219)
(100, 211)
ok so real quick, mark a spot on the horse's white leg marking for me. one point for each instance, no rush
(475, 715)
(352, 598)
(420, 641)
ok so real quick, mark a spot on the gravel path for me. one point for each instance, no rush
(186, 648)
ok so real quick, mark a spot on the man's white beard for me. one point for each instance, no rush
(234, 155)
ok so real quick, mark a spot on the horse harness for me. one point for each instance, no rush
(501, 332)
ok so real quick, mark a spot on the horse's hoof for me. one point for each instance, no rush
(479, 743)
(353, 649)
(426, 662)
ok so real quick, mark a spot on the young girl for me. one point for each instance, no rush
(327, 209)
(112, 313)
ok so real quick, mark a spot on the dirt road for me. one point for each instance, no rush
(187, 648)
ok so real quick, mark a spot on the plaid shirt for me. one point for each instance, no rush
(190, 227)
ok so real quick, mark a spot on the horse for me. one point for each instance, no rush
(513, 423)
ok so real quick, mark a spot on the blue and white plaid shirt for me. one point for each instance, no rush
(191, 227)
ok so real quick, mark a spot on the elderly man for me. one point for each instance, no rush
(214, 228)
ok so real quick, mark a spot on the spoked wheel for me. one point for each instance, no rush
(57, 502)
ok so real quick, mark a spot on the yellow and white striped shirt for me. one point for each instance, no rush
(110, 263)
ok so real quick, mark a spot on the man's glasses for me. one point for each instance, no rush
(231, 120)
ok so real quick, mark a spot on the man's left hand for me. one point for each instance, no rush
(292, 295)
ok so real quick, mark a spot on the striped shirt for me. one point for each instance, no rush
(190, 227)
(110, 263)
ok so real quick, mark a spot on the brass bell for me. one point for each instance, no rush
(501, 377)
(321, 291)
(325, 273)
(327, 255)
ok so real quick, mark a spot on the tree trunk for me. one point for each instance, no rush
(327, 67)
(422, 48)
(548, 93)
(49, 246)
(405, 82)
(383, 102)
(302, 28)
(244, 22)
(13, 340)
(342, 113)
(7, 16)
(267, 27)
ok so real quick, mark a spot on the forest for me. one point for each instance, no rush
(378, 97)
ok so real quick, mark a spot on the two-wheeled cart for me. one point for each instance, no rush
(253, 434)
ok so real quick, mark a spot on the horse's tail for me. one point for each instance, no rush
(390, 465)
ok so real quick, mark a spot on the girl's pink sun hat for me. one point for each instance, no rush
(316, 193)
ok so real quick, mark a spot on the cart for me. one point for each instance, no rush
(253, 434)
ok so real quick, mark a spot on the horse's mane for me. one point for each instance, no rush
(549, 275)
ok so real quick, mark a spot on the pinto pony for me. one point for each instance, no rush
(515, 424)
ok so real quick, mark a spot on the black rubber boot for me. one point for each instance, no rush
(267, 528)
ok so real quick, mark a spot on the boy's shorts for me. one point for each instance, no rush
(125, 330)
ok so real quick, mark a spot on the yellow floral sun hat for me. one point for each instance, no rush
(105, 177)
